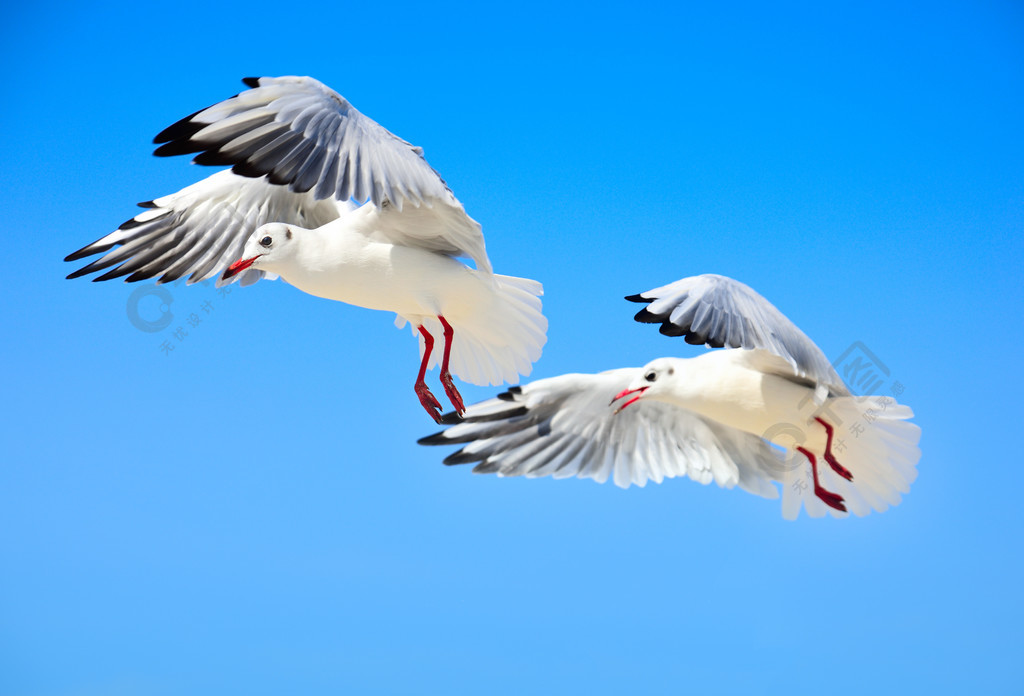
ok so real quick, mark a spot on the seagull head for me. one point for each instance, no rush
(265, 249)
(653, 381)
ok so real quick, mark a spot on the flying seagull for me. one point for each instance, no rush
(341, 208)
(768, 408)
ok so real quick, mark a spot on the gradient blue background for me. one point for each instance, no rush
(251, 514)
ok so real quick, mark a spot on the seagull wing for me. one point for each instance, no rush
(300, 133)
(443, 229)
(305, 135)
(564, 426)
(718, 311)
(200, 230)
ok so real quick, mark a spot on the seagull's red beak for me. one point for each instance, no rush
(639, 391)
(239, 266)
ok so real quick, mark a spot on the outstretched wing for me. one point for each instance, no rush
(200, 230)
(564, 426)
(719, 311)
(303, 134)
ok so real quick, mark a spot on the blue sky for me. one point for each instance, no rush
(249, 513)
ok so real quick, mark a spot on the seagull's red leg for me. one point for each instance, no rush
(446, 378)
(836, 466)
(828, 497)
(429, 401)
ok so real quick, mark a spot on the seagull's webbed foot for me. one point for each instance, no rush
(833, 500)
(837, 467)
(430, 403)
(453, 394)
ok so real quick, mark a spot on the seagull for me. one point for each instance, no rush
(766, 409)
(336, 205)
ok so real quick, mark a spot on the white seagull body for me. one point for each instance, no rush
(714, 417)
(300, 154)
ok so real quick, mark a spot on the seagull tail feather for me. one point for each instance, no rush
(874, 440)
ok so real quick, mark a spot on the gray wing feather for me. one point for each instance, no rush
(199, 231)
(564, 426)
(300, 133)
(440, 228)
(722, 312)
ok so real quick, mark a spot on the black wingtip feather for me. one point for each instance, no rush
(253, 82)
(450, 418)
(278, 179)
(185, 128)
(138, 276)
(437, 438)
(502, 415)
(461, 457)
(116, 272)
(76, 274)
(644, 316)
(247, 169)
(212, 158)
(178, 147)
(670, 329)
(87, 250)
(511, 394)
(638, 298)
(129, 224)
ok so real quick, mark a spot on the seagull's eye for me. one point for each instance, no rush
(266, 241)
(651, 376)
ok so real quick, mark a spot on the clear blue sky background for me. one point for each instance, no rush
(250, 513)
